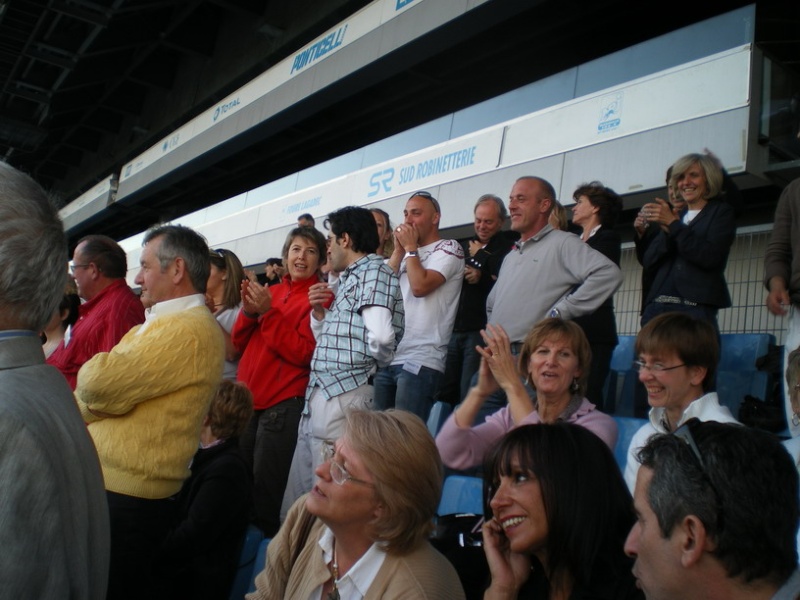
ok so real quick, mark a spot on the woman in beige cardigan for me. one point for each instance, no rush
(363, 528)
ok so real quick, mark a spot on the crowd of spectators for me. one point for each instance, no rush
(214, 400)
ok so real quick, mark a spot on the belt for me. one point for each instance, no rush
(673, 300)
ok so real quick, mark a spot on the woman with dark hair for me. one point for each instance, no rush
(554, 359)
(65, 315)
(273, 333)
(560, 515)
(224, 299)
(596, 211)
(688, 254)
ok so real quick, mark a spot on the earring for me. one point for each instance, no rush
(574, 387)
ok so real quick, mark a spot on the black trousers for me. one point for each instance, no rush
(138, 527)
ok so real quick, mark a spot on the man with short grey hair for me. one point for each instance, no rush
(485, 253)
(144, 402)
(53, 517)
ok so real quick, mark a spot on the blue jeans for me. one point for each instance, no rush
(398, 388)
(461, 364)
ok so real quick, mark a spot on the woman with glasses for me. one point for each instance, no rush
(677, 359)
(557, 517)
(554, 359)
(363, 529)
(224, 299)
(273, 333)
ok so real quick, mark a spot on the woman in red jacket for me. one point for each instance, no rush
(273, 334)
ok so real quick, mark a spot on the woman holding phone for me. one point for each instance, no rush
(557, 517)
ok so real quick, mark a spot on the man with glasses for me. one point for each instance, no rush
(717, 511)
(109, 309)
(677, 359)
(431, 270)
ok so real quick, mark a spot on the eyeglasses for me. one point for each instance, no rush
(73, 267)
(429, 196)
(640, 366)
(684, 433)
(339, 474)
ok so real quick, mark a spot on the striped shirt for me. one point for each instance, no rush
(342, 361)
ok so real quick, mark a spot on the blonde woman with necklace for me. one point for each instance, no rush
(362, 532)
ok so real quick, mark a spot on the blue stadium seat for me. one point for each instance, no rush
(439, 413)
(623, 356)
(739, 351)
(733, 386)
(258, 565)
(627, 427)
(623, 402)
(621, 362)
(244, 573)
(461, 494)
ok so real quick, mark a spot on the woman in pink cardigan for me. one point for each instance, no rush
(554, 359)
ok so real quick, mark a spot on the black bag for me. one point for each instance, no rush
(460, 538)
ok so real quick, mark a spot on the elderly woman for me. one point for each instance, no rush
(595, 211)
(223, 297)
(554, 359)
(273, 333)
(687, 256)
(560, 516)
(363, 529)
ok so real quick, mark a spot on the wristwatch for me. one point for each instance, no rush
(411, 253)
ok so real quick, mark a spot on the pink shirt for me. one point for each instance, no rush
(465, 447)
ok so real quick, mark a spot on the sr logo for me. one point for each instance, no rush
(380, 181)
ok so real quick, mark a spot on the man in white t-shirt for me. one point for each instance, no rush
(430, 271)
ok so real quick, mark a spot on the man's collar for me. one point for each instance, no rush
(535, 237)
(9, 334)
(174, 305)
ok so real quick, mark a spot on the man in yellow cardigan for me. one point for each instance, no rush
(144, 402)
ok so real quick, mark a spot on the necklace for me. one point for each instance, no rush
(334, 593)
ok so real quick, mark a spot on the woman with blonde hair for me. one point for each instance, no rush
(224, 300)
(689, 253)
(363, 529)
